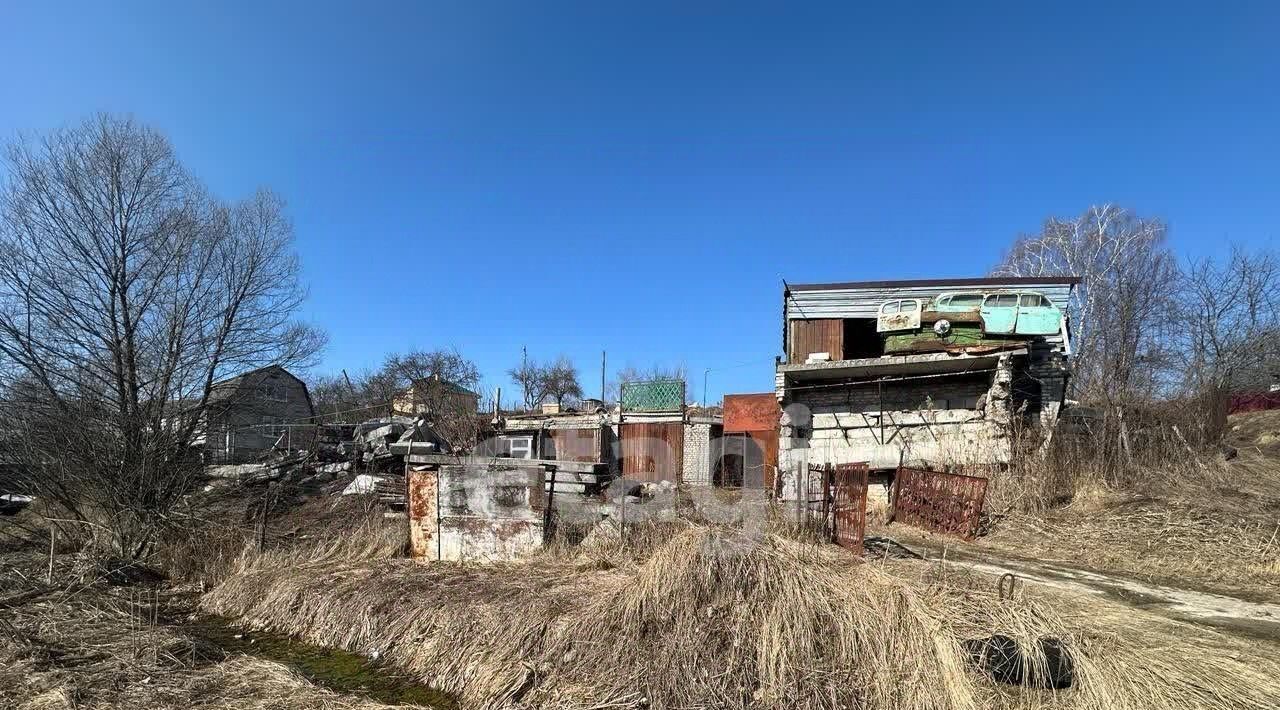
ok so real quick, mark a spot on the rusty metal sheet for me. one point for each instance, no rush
(584, 445)
(424, 516)
(751, 412)
(652, 451)
(948, 503)
(849, 505)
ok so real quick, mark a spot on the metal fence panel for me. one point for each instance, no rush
(653, 396)
(949, 503)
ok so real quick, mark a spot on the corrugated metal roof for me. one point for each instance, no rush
(947, 283)
(863, 299)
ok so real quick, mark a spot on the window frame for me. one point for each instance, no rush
(981, 299)
(525, 442)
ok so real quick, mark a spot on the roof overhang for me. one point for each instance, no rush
(940, 283)
(876, 367)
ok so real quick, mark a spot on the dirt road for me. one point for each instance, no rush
(1255, 619)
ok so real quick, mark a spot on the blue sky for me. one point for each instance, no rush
(640, 177)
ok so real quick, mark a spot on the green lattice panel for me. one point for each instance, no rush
(655, 396)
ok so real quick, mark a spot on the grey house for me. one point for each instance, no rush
(252, 412)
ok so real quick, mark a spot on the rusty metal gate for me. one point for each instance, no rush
(834, 499)
(849, 505)
(813, 502)
(949, 503)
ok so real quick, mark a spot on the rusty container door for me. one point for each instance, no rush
(751, 412)
(948, 503)
(849, 505)
(424, 517)
(768, 443)
(652, 451)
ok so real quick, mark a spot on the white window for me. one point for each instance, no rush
(520, 447)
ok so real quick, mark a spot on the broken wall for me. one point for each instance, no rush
(698, 439)
(845, 424)
(476, 511)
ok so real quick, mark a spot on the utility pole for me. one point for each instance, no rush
(603, 355)
(524, 372)
(704, 386)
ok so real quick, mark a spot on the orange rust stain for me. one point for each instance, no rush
(423, 515)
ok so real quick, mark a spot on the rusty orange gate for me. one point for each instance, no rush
(949, 503)
(849, 505)
(835, 499)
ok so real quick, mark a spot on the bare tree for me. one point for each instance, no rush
(434, 384)
(1229, 320)
(532, 380)
(438, 385)
(126, 292)
(539, 382)
(1127, 275)
(561, 381)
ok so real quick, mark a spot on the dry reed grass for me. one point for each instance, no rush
(87, 648)
(68, 639)
(1174, 543)
(716, 618)
(1168, 513)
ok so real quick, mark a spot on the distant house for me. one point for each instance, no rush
(435, 393)
(249, 413)
(666, 441)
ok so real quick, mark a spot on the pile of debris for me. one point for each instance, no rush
(371, 441)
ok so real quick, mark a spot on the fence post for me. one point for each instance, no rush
(548, 476)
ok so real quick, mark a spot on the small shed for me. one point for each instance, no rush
(748, 451)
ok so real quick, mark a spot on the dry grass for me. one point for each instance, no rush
(79, 642)
(1170, 542)
(84, 647)
(718, 618)
(1166, 514)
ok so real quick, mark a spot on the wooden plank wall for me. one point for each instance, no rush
(653, 451)
(821, 335)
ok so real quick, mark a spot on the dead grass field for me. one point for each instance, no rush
(83, 644)
(1212, 525)
(88, 635)
(716, 618)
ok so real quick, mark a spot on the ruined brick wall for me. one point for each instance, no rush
(697, 453)
(971, 424)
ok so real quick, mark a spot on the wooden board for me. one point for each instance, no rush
(821, 335)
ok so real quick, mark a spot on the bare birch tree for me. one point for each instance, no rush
(1119, 315)
(126, 292)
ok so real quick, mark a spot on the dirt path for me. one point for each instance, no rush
(1260, 620)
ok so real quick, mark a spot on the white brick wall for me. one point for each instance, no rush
(697, 454)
